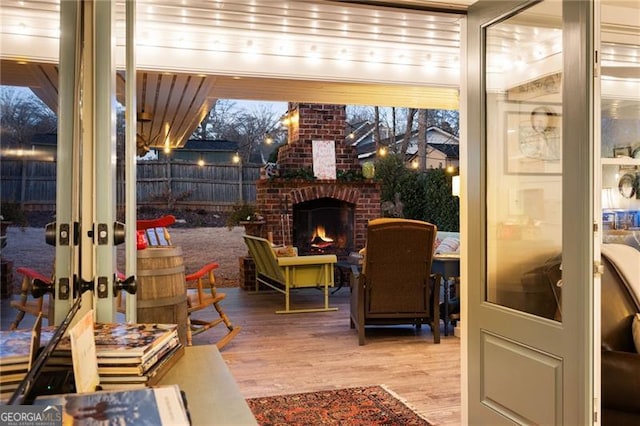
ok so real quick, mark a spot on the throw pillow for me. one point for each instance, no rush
(286, 251)
(636, 331)
(448, 245)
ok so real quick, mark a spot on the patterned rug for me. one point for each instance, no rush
(363, 406)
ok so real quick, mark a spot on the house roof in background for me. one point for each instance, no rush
(443, 141)
(210, 145)
(50, 139)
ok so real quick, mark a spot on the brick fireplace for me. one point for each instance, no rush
(295, 208)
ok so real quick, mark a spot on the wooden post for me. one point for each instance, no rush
(240, 182)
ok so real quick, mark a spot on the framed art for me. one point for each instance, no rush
(324, 159)
(533, 142)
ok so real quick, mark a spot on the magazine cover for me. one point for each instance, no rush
(15, 345)
(161, 405)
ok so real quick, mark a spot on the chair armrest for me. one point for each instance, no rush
(620, 383)
(31, 274)
(201, 273)
(355, 271)
(319, 259)
(161, 222)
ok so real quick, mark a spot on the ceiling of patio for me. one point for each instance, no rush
(191, 52)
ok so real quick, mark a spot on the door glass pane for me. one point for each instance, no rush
(524, 160)
(620, 124)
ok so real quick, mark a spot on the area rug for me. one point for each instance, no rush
(362, 406)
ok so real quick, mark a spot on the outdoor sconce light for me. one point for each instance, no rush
(236, 158)
(201, 161)
(382, 151)
(455, 186)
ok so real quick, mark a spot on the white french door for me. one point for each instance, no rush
(530, 250)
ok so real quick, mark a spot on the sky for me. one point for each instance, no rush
(246, 105)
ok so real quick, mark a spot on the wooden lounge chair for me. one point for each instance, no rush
(396, 285)
(286, 273)
(30, 303)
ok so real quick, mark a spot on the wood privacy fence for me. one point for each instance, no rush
(163, 184)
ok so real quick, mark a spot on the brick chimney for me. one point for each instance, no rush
(278, 197)
(309, 122)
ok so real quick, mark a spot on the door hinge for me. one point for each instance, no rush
(598, 268)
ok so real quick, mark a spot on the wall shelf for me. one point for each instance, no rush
(621, 161)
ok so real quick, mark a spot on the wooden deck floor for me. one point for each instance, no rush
(277, 354)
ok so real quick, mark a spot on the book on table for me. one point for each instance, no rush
(149, 378)
(162, 405)
(18, 348)
(128, 354)
(15, 347)
(123, 343)
(124, 365)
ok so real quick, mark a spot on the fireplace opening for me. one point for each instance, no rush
(323, 226)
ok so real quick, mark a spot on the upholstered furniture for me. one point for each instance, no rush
(395, 285)
(286, 273)
(620, 363)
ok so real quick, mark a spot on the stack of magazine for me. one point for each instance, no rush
(16, 355)
(129, 355)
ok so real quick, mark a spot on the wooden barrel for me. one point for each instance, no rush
(162, 291)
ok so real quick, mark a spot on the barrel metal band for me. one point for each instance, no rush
(161, 271)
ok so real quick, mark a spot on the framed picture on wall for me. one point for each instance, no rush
(534, 139)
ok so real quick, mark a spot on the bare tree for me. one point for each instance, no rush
(252, 129)
(359, 113)
(22, 115)
(407, 133)
(422, 139)
(447, 120)
(392, 136)
(217, 123)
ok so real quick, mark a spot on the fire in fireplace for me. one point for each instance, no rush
(323, 226)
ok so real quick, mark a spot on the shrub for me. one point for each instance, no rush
(242, 212)
(12, 212)
(424, 195)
